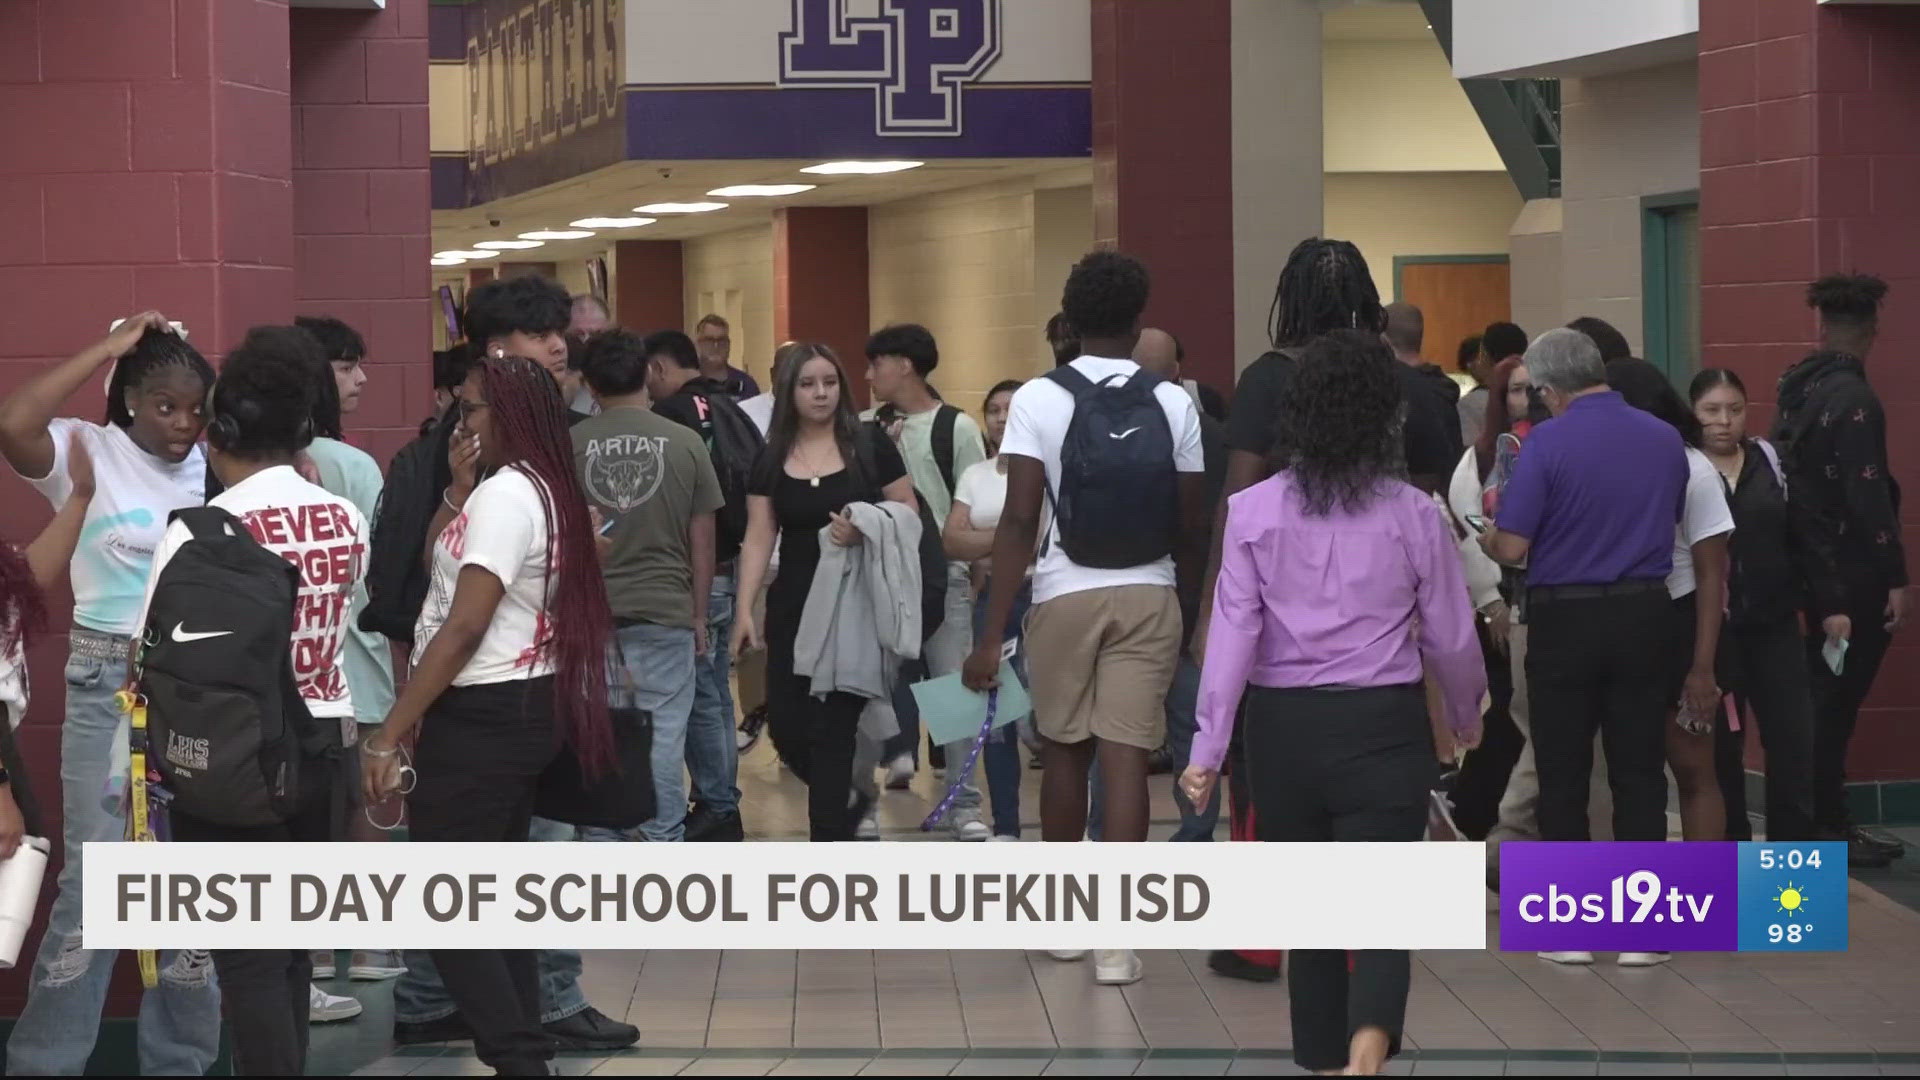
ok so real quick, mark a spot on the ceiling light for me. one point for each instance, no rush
(508, 245)
(861, 168)
(749, 191)
(557, 234)
(680, 208)
(441, 260)
(611, 222)
(464, 255)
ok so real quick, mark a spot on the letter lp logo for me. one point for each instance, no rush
(917, 55)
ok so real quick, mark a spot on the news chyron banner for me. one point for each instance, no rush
(785, 896)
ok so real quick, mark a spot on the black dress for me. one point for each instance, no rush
(814, 736)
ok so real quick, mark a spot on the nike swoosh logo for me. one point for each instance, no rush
(1123, 434)
(182, 636)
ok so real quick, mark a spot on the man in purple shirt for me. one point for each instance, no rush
(1591, 509)
(714, 337)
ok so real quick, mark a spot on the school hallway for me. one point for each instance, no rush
(1007, 1013)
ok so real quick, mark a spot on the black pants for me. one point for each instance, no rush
(264, 992)
(1836, 705)
(1482, 782)
(1600, 664)
(1765, 669)
(481, 752)
(814, 738)
(1342, 766)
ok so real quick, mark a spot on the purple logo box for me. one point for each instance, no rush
(1619, 897)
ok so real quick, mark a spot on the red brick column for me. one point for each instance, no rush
(1808, 166)
(820, 286)
(648, 285)
(362, 203)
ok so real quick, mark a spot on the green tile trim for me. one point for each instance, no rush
(1830, 1058)
(1007, 1052)
(1899, 802)
(1645, 1057)
(1554, 1055)
(1170, 1053)
(1093, 1053)
(921, 1053)
(1899, 1057)
(1739, 1057)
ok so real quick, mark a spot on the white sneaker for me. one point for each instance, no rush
(1002, 838)
(868, 829)
(1644, 959)
(376, 965)
(323, 965)
(1116, 967)
(325, 1008)
(1067, 955)
(1570, 957)
(966, 825)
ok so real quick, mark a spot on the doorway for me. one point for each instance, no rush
(1458, 296)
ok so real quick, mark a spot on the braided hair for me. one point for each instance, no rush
(1325, 286)
(156, 350)
(23, 606)
(1339, 428)
(529, 425)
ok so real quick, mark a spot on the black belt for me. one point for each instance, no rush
(1546, 594)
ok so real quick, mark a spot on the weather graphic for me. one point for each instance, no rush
(1790, 899)
(1793, 897)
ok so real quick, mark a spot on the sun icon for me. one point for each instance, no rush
(1791, 900)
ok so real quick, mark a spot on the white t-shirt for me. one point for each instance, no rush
(323, 535)
(134, 494)
(1036, 426)
(13, 684)
(1706, 515)
(502, 530)
(983, 487)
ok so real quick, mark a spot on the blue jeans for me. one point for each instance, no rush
(419, 997)
(713, 757)
(1182, 724)
(179, 1026)
(660, 661)
(1001, 755)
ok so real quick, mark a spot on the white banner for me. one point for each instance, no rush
(785, 896)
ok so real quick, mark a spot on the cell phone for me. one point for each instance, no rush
(608, 527)
(1477, 523)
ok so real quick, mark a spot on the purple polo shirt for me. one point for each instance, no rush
(1597, 491)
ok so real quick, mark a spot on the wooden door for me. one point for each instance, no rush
(1458, 300)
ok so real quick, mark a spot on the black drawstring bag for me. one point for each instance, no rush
(619, 799)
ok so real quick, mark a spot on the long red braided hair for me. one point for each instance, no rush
(529, 424)
(23, 607)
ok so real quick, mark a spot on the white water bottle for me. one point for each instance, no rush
(20, 878)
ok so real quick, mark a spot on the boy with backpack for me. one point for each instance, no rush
(1113, 456)
(242, 663)
(938, 443)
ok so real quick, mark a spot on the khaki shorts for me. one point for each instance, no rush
(1100, 663)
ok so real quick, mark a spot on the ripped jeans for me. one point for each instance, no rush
(179, 1026)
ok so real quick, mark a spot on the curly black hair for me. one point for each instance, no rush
(1325, 286)
(1105, 294)
(910, 340)
(1847, 298)
(1062, 339)
(1646, 388)
(614, 360)
(529, 304)
(1339, 427)
(155, 351)
(266, 391)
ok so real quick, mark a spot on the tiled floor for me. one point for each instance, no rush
(1008, 1013)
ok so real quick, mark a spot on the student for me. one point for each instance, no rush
(938, 442)
(1429, 389)
(1473, 404)
(528, 316)
(261, 416)
(750, 669)
(653, 482)
(1610, 341)
(814, 464)
(511, 665)
(1062, 342)
(147, 463)
(714, 338)
(1761, 659)
(968, 537)
(1107, 636)
(1338, 743)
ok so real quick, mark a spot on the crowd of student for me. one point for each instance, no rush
(1357, 574)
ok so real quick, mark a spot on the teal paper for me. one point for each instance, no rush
(951, 712)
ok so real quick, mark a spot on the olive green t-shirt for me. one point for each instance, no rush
(648, 476)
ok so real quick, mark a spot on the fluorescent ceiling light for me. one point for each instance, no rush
(680, 208)
(464, 255)
(557, 234)
(439, 260)
(861, 168)
(508, 245)
(749, 191)
(611, 222)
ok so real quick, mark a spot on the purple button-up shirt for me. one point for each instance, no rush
(1346, 600)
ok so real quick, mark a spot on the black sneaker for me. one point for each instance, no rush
(1864, 854)
(747, 735)
(1878, 838)
(1160, 762)
(709, 827)
(446, 1029)
(591, 1029)
(1234, 966)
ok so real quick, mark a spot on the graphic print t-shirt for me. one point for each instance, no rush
(323, 535)
(134, 494)
(502, 530)
(649, 476)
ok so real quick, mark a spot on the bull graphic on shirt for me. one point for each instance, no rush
(624, 471)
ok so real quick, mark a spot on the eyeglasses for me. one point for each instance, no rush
(469, 408)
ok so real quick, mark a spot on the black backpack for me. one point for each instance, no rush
(933, 551)
(397, 574)
(226, 726)
(1119, 499)
(735, 446)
